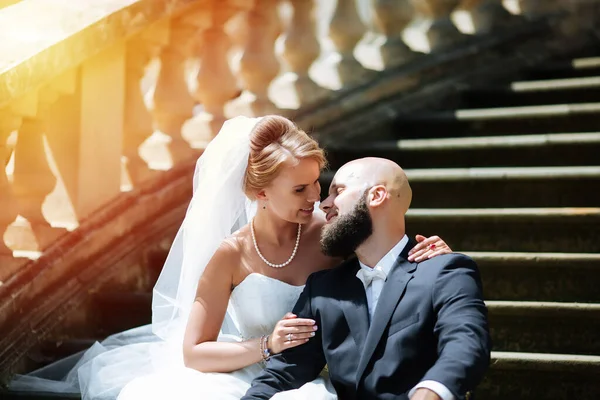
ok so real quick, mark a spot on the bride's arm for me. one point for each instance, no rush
(201, 351)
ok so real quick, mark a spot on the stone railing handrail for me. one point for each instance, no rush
(40, 39)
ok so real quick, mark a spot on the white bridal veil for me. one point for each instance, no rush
(217, 209)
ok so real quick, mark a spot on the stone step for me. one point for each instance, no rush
(120, 311)
(526, 376)
(519, 94)
(563, 277)
(569, 230)
(512, 113)
(554, 118)
(579, 67)
(586, 63)
(500, 187)
(552, 85)
(545, 327)
(52, 350)
(488, 151)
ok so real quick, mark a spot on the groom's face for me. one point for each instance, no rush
(349, 221)
(342, 235)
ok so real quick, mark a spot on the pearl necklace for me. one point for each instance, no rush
(270, 264)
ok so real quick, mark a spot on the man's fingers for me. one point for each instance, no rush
(289, 316)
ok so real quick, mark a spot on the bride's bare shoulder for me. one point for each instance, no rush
(232, 246)
(227, 257)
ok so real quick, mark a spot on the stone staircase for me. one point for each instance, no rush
(510, 174)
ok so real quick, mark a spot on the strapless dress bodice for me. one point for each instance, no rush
(259, 302)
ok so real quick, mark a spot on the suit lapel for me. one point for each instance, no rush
(391, 293)
(354, 306)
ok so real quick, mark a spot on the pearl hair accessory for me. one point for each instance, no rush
(270, 264)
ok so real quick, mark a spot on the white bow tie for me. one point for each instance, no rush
(369, 275)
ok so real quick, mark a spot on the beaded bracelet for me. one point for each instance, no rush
(265, 353)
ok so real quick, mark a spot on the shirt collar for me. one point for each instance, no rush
(387, 262)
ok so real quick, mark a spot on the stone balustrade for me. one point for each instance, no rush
(98, 97)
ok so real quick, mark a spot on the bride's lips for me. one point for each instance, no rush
(307, 211)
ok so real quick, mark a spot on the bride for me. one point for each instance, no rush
(248, 242)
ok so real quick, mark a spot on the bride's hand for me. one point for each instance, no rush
(299, 330)
(427, 248)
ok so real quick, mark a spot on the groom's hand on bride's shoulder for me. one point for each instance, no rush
(425, 394)
(428, 247)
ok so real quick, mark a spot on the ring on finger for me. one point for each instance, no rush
(289, 337)
(432, 246)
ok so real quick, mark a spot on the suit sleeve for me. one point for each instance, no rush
(293, 367)
(461, 327)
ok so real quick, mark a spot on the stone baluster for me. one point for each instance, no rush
(487, 15)
(391, 18)
(138, 120)
(440, 32)
(99, 143)
(216, 82)
(8, 204)
(173, 103)
(345, 30)
(301, 49)
(33, 180)
(258, 64)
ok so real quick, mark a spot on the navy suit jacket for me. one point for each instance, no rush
(430, 324)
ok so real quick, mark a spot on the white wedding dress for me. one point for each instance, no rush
(258, 303)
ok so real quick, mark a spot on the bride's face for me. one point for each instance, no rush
(293, 193)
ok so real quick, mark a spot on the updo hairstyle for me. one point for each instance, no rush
(275, 141)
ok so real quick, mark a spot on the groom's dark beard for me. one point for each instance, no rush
(342, 237)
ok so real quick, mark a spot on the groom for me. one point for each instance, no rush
(388, 328)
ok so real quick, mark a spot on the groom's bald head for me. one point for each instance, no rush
(372, 174)
(366, 196)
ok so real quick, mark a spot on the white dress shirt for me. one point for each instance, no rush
(385, 264)
(373, 280)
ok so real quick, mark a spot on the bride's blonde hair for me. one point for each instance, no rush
(274, 141)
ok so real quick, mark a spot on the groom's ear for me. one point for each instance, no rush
(378, 194)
